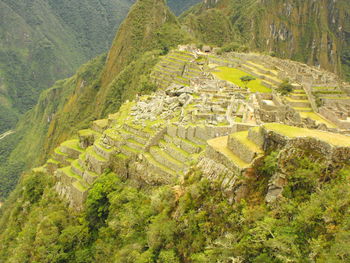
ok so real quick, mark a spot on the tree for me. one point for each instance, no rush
(285, 87)
(246, 80)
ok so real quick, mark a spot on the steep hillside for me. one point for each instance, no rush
(179, 6)
(98, 88)
(314, 32)
(42, 41)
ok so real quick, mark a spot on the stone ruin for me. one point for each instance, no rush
(194, 118)
(338, 113)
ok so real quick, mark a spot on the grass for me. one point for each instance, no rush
(294, 100)
(242, 137)
(298, 91)
(72, 144)
(67, 170)
(233, 75)
(79, 186)
(301, 109)
(53, 161)
(131, 150)
(238, 119)
(220, 145)
(326, 88)
(335, 98)
(316, 117)
(171, 159)
(76, 164)
(293, 132)
(92, 152)
(152, 161)
(87, 132)
(99, 144)
(101, 123)
(113, 134)
(59, 152)
(122, 156)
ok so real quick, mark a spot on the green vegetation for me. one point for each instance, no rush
(293, 132)
(47, 40)
(246, 80)
(193, 222)
(179, 6)
(266, 26)
(234, 75)
(100, 86)
(285, 87)
(316, 117)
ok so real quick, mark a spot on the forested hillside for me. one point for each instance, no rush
(313, 32)
(42, 41)
(197, 174)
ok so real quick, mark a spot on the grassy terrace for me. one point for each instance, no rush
(233, 75)
(86, 132)
(92, 152)
(72, 144)
(299, 91)
(122, 156)
(324, 88)
(123, 113)
(242, 137)
(294, 100)
(100, 145)
(293, 132)
(131, 150)
(262, 67)
(318, 118)
(101, 123)
(79, 186)
(77, 165)
(67, 170)
(53, 161)
(220, 145)
(301, 109)
(59, 152)
(151, 160)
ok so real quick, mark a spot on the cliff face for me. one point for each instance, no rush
(314, 32)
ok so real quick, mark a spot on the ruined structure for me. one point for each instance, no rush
(198, 119)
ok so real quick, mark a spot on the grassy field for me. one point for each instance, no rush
(233, 75)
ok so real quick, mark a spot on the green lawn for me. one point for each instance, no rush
(233, 75)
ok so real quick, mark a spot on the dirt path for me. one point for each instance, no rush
(2, 136)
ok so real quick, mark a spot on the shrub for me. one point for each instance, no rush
(285, 87)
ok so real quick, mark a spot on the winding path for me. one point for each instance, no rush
(2, 136)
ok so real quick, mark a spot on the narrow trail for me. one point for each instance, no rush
(4, 135)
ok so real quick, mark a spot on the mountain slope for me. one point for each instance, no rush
(99, 88)
(314, 32)
(42, 41)
(179, 6)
